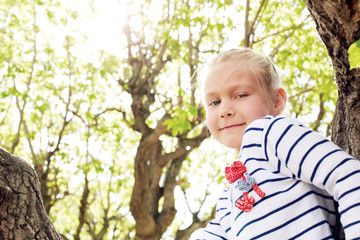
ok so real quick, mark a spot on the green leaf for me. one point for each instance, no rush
(174, 132)
(50, 14)
(185, 126)
(193, 110)
(220, 179)
(354, 55)
(169, 123)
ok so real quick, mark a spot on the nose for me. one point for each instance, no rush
(226, 115)
(227, 111)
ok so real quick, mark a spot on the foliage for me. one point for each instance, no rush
(179, 123)
(354, 55)
(79, 104)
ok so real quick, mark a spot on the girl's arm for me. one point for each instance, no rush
(316, 160)
(215, 229)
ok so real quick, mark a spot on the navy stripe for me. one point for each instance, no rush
(213, 223)
(278, 167)
(347, 209)
(320, 161)
(277, 193)
(271, 196)
(349, 175)
(227, 214)
(351, 224)
(289, 221)
(307, 153)
(257, 170)
(227, 230)
(310, 228)
(239, 215)
(350, 191)
(273, 180)
(252, 145)
(254, 129)
(266, 136)
(220, 209)
(284, 207)
(216, 235)
(255, 159)
(294, 145)
(280, 138)
(342, 162)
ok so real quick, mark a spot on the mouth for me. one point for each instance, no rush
(231, 126)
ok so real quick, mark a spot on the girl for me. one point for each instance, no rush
(286, 179)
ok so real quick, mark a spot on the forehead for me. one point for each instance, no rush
(230, 74)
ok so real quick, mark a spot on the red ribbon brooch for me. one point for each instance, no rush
(238, 171)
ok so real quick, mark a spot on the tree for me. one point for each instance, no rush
(106, 128)
(157, 169)
(338, 26)
(22, 213)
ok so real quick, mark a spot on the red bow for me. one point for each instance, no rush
(235, 171)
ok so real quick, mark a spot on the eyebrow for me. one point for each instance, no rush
(243, 86)
(209, 95)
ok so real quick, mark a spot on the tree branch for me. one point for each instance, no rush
(293, 28)
(83, 208)
(183, 144)
(30, 78)
(315, 125)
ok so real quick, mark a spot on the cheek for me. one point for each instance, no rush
(210, 121)
(263, 108)
(262, 112)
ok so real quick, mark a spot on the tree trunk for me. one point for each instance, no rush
(338, 24)
(152, 219)
(22, 213)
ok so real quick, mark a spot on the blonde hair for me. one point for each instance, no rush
(260, 66)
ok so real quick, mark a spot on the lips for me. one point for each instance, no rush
(231, 126)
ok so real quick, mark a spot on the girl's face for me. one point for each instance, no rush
(233, 100)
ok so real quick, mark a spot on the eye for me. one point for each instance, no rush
(242, 95)
(214, 103)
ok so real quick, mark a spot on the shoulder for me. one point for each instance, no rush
(273, 123)
(274, 128)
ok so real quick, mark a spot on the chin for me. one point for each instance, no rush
(234, 143)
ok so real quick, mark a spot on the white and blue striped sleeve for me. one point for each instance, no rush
(314, 159)
(215, 229)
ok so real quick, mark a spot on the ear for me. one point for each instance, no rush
(280, 101)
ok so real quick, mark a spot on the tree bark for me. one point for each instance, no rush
(22, 213)
(338, 24)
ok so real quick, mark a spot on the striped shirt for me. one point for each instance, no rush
(301, 173)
